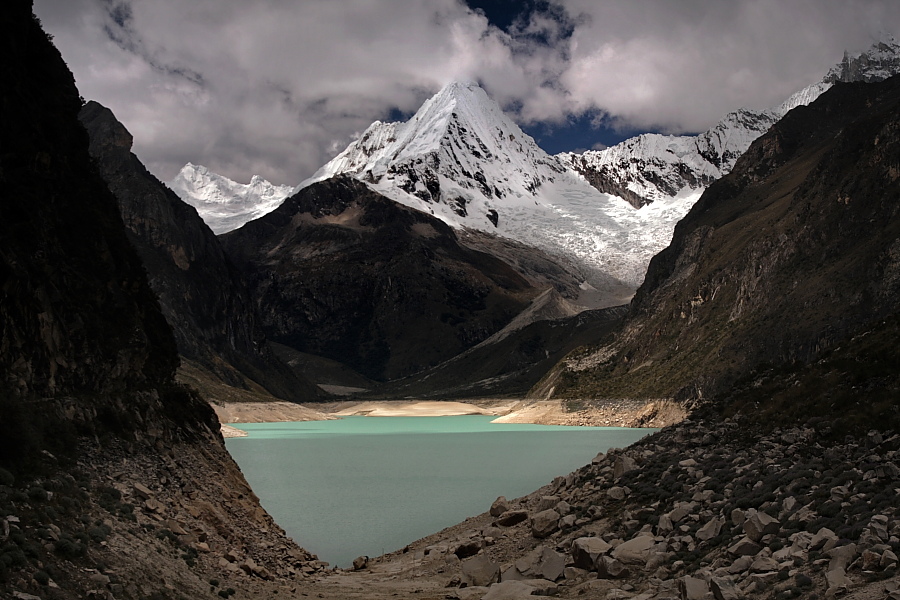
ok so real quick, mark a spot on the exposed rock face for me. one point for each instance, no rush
(78, 319)
(114, 481)
(793, 252)
(342, 272)
(200, 292)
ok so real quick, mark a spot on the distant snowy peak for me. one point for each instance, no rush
(459, 157)
(225, 204)
(652, 167)
(881, 61)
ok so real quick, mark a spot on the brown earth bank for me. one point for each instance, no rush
(597, 413)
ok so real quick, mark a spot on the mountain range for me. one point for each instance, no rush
(463, 160)
(774, 314)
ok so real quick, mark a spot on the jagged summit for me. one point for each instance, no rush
(463, 160)
(653, 167)
(225, 204)
(460, 157)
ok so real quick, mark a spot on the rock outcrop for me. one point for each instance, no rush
(114, 480)
(201, 294)
(342, 272)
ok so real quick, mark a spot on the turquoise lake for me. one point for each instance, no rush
(369, 485)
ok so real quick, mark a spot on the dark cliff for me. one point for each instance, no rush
(342, 272)
(114, 479)
(201, 294)
(786, 259)
(81, 331)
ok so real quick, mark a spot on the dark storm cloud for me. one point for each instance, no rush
(276, 87)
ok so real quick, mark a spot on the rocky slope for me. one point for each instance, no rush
(114, 480)
(787, 257)
(342, 272)
(201, 294)
(704, 509)
(653, 167)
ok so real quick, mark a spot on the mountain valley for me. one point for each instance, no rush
(770, 319)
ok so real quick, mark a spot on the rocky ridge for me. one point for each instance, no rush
(201, 294)
(787, 257)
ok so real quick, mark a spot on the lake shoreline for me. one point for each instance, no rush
(597, 413)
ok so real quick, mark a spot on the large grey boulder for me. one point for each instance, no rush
(541, 563)
(500, 506)
(586, 551)
(544, 523)
(759, 524)
(611, 568)
(480, 571)
(635, 551)
(692, 588)
(744, 547)
(512, 517)
(724, 589)
(623, 465)
(710, 530)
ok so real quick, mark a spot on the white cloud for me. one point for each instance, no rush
(273, 87)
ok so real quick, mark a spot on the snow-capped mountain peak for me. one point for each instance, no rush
(462, 159)
(457, 157)
(638, 172)
(225, 204)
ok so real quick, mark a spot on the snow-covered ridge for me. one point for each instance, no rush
(652, 167)
(225, 204)
(463, 160)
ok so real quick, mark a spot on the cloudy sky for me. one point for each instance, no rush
(278, 87)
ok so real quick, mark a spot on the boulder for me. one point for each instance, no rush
(499, 506)
(870, 560)
(759, 524)
(480, 571)
(468, 548)
(744, 547)
(764, 564)
(825, 539)
(841, 557)
(616, 493)
(888, 559)
(541, 563)
(635, 551)
(710, 530)
(724, 589)
(837, 581)
(510, 590)
(360, 562)
(544, 523)
(512, 517)
(623, 465)
(547, 502)
(586, 551)
(141, 491)
(741, 564)
(611, 568)
(692, 588)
